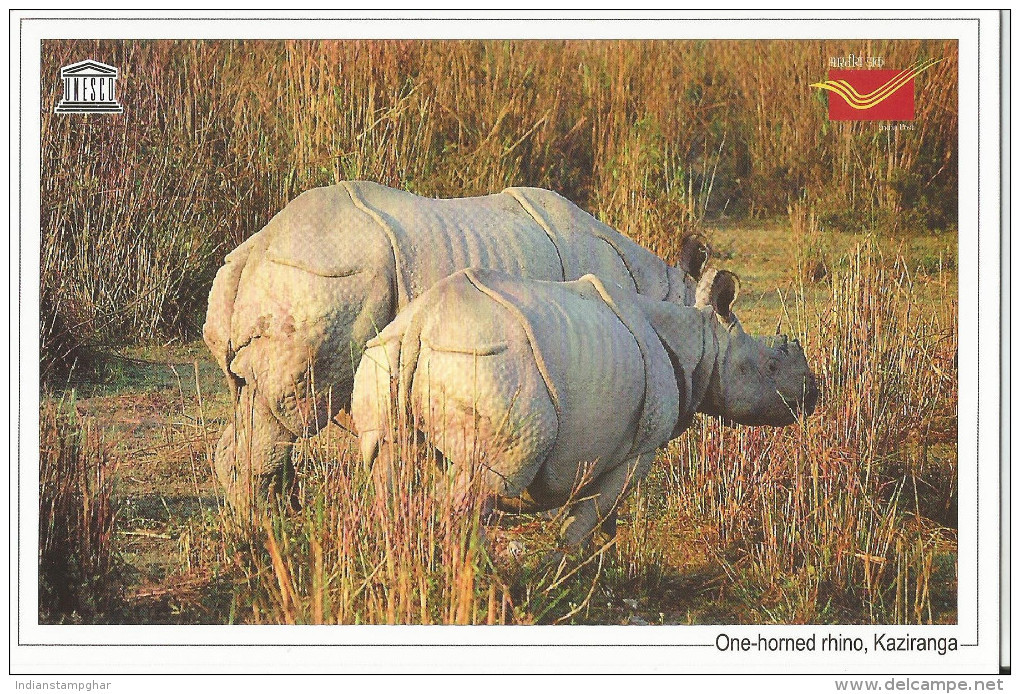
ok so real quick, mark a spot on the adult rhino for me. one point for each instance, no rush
(293, 306)
(526, 387)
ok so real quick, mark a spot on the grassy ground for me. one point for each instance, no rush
(774, 261)
(720, 532)
(146, 405)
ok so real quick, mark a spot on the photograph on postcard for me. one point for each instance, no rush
(446, 332)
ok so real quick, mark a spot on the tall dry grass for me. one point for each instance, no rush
(356, 554)
(413, 550)
(78, 580)
(849, 516)
(845, 517)
(651, 136)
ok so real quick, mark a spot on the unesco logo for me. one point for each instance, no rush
(89, 87)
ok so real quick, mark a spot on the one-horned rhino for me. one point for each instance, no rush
(293, 306)
(526, 387)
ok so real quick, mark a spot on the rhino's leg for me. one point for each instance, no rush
(608, 526)
(378, 453)
(253, 456)
(600, 499)
(293, 370)
(387, 462)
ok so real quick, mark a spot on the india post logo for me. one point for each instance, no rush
(872, 94)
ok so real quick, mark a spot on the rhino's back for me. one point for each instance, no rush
(588, 246)
(606, 376)
(607, 363)
(469, 373)
(324, 231)
(434, 238)
(342, 229)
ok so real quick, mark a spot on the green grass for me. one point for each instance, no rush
(133, 369)
(764, 255)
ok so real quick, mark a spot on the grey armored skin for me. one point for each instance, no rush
(292, 307)
(525, 387)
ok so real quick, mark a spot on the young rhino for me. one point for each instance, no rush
(538, 385)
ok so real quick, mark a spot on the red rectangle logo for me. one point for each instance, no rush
(871, 95)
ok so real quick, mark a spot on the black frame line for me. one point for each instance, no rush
(1005, 194)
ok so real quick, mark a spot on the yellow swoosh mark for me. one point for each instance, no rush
(862, 102)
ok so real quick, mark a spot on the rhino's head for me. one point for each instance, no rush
(756, 380)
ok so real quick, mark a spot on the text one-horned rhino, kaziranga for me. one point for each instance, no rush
(293, 306)
(526, 387)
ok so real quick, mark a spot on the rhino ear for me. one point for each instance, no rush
(694, 253)
(725, 287)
